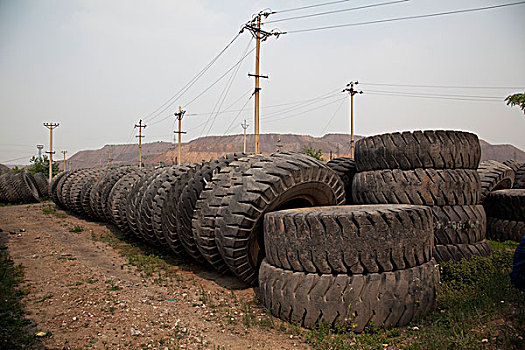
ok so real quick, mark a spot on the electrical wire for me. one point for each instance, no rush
(435, 97)
(188, 85)
(294, 108)
(304, 112)
(333, 116)
(336, 11)
(445, 86)
(311, 6)
(12, 160)
(404, 18)
(237, 116)
(439, 94)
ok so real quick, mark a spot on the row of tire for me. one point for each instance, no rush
(23, 188)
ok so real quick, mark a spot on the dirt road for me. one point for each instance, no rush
(91, 287)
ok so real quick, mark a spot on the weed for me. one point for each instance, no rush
(48, 210)
(76, 229)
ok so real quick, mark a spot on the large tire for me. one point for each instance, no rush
(441, 149)
(344, 167)
(513, 164)
(6, 184)
(456, 252)
(53, 186)
(42, 185)
(503, 230)
(519, 181)
(419, 187)
(57, 195)
(506, 204)
(26, 189)
(100, 192)
(75, 192)
(349, 239)
(76, 176)
(279, 182)
(188, 201)
(387, 299)
(85, 193)
(494, 176)
(459, 224)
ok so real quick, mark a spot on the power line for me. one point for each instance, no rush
(302, 113)
(440, 95)
(336, 11)
(333, 116)
(434, 97)
(12, 160)
(437, 14)
(238, 114)
(447, 86)
(311, 6)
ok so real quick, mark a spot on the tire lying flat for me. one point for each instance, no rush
(494, 176)
(506, 204)
(503, 230)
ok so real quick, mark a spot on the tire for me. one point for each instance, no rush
(439, 149)
(344, 167)
(133, 200)
(459, 224)
(8, 192)
(42, 185)
(53, 186)
(188, 200)
(513, 164)
(75, 176)
(504, 230)
(344, 239)
(494, 176)
(85, 193)
(419, 187)
(118, 197)
(166, 206)
(456, 252)
(282, 181)
(519, 181)
(57, 195)
(506, 204)
(27, 192)
(387, 299)
(75, 192)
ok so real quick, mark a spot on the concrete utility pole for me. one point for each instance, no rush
(351, 91)
(140, 136)
(64, 153)
(244, 126)
(40, 148)
(254, 26)
(279, 144)
(179, 117)
(51, 126)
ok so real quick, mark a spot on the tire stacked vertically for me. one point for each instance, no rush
(349, 265)
(432, 168)
(506, 214)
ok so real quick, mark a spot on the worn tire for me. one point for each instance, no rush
(459, 224)
(439, 149)
(419, 187)
(9, 192)
(117, 200)
(282, 181)
(506, 204)
(85, 193)
(387, 299)
(57, 194)
(75, 177)
(456, 252)
(513, 164)
(75, 192)
(494, 176)
(26, 189)
(503, 230)
(346, 169)
(53, 186)
(344, 239)
(519, 180)
(42, 185)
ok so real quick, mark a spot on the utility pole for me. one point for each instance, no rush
(254, 26)
(279, 144)
(179, 117)
(244, 126)
(40, 148)
(140, 136)
(64, 153)
(51, 126)
(351, 91)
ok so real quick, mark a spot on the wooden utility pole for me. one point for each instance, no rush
(140, 136)
(51, 126)
(244, 126)
(64, 153)
(179, 117)
(351, 91)
(254, 26)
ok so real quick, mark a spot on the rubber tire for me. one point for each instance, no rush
(519, 180)
(57, 195)
(6, 182)
(85, 194)
(53, 186)
(459, 224)
(419, 187)
(456, 252)
(75, 192)
(76, 176)
(42, 184)
(506, 204)
(436, 149)
(188, 202)
(26, 189)
(503, 230)
(387, 299)
(4, 189)
(100, 192)
(282, 181)
(513, 164)
(346, 168)
(346, 239)
(494, 176)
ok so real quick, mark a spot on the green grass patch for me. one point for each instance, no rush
(15, 330)
(76, 229)
(477, 308)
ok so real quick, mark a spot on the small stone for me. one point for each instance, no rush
(415, 328)
(75, 318)
(484, 340)
(135, 332)
(291, 336)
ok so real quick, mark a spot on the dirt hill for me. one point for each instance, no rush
(206, 148)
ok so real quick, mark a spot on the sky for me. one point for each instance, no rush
(97, 67)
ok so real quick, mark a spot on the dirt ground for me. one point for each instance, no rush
(91, 289)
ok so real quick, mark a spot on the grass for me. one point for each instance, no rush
(76, 229)
(477, 308)
(15, 330)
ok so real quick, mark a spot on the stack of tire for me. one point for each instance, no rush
(504, 199)
(349, 265)
(432, 168)
(344, 167)
(23, 188)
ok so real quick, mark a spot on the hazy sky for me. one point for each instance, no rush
(97, 67)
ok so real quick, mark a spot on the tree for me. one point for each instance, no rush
(312, 152)
(516, 100)
(41, 165)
